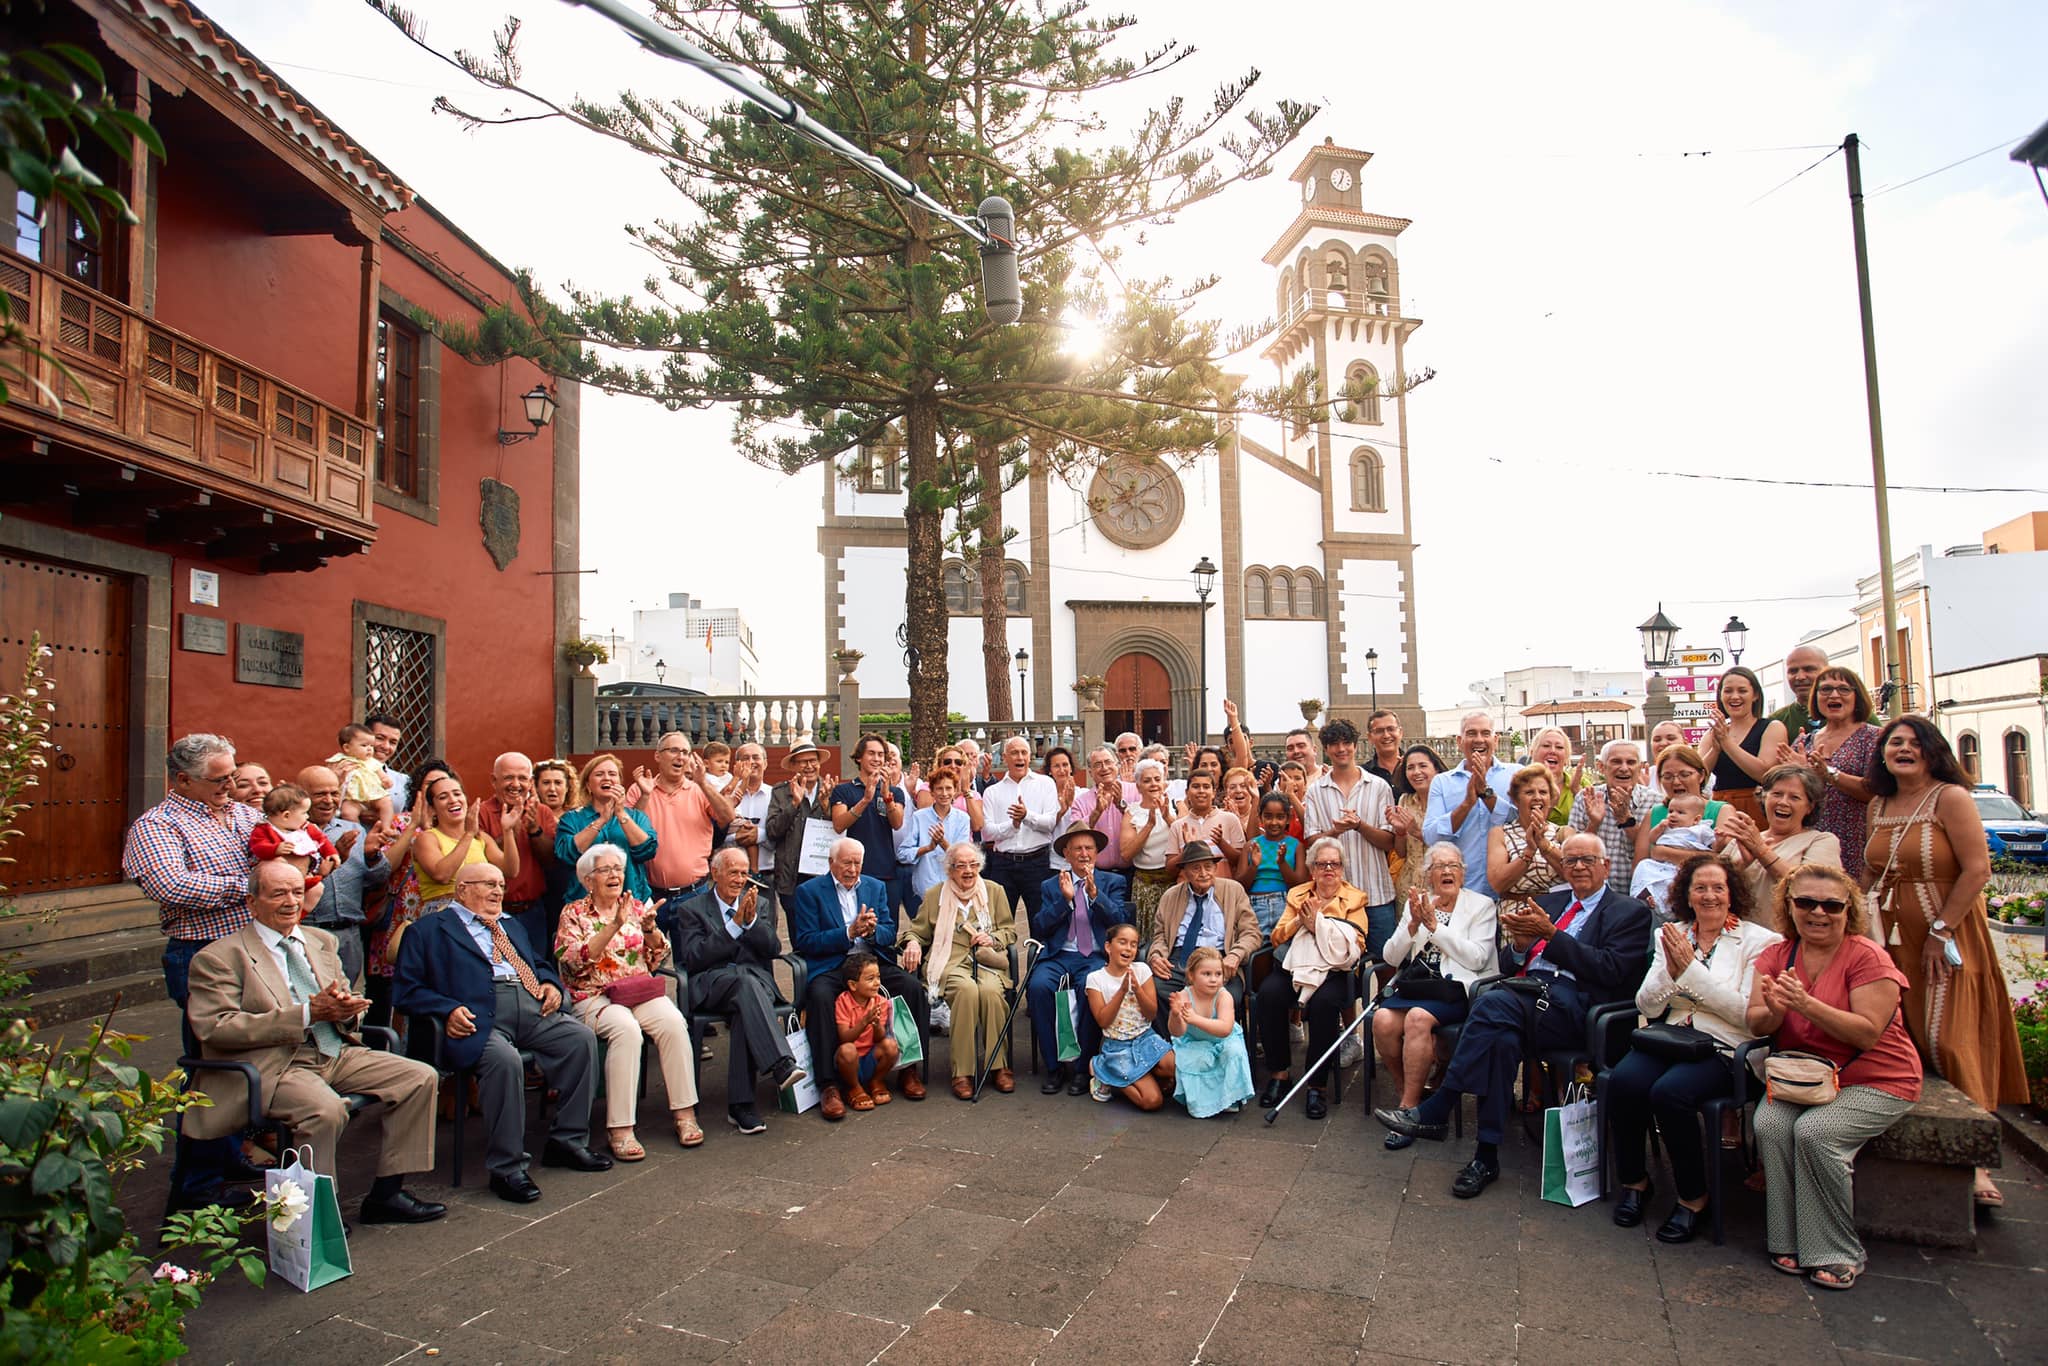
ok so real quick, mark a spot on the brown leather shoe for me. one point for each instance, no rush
(830, 1105)
(963, 1088)
(1004, 1080)
(910, 1084)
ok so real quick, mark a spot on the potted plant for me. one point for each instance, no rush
(583, 651)
(1311, 708)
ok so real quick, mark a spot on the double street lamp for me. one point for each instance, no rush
(1205, 581)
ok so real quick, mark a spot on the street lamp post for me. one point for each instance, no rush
(1023, 663)
(1658, 634)
(1372, 669)
(1205, 580)
(661, 671)
(1735, 635)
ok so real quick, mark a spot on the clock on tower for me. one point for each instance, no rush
(1328, 176)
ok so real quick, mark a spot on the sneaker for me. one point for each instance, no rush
(1353, 1051)
(1299, 1033)
(1097, 1091)
(788, 1072)
(746, 1119)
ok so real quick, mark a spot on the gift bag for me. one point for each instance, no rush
(904, 1028)
(307, 1244)
(1571, 1153)
(1066, 1024)
(802, 1094)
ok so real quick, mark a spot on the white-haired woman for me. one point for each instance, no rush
(608, 949)
(959, 941)
(1147, 845)
(1318, 937)
(1444, 943)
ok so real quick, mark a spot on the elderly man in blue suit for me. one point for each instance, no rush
(829, 917)
(1595, 950)
(470, 971)
(1075, 910)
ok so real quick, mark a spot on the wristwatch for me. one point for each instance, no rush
(1629, 824)
(1485, 794)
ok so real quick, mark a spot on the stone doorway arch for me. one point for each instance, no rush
(1165, 633)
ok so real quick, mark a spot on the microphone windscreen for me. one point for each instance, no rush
(1002, 293)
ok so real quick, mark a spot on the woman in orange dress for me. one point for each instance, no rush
(1928, 861)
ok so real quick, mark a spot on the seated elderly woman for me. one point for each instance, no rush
(961, 936)
(1445, 942)
(1830, 990)
(1524, 858)
(608, 949)
(1792, 798)
(1319, 937)
(1702, 965)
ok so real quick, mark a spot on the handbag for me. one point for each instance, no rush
(1419, 980)
(1674, 1042)
(1801, 1078)
(636, 990)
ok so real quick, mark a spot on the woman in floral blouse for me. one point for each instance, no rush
(608, 949)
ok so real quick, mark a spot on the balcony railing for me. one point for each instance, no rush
(194, 409)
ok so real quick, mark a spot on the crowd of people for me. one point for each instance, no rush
(1809, 878)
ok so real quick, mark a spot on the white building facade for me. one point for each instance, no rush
(1309, 528)
(686, 645)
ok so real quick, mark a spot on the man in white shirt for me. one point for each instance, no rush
(1020, 810)
(750, 797)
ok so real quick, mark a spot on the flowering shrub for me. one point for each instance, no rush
(2030, 1014)
(2018, 906)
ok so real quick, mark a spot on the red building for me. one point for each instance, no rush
(271, 501)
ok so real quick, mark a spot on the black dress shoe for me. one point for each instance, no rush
(225, 1194)
(402, 1207)
(1476, 1177)
(787, 1073)
(1055, 1081)
(1077, 1084)
(1683, 1225)
(1628, 1211)
(1270, 1094)
(1397, 1141)
(518, 1188)
(1407, 1122)
(1318, 1108)
(573, 1156)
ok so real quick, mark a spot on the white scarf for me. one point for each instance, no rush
(951, 909)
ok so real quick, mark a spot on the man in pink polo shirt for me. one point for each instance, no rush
(684, 809)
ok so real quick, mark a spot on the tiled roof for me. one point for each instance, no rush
(1330, 215)
(1326, 148)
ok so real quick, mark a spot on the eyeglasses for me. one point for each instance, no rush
(1580, 860)
(1327, 867)
(671, 750)
(1836, 689)
(1832, 905)
(494, 890)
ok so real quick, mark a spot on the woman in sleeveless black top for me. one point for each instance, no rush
(1737, 739)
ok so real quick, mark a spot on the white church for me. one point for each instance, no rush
(1100, 579)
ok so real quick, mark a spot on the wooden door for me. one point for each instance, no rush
(1137, 696)
(77, 813)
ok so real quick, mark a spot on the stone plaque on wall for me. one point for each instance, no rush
(202, 635)
(271, 659)
(499, 516)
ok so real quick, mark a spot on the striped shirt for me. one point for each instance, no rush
(1365, 866)
(194, 864)
(1621, 844)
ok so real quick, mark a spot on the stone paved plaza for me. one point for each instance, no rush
(1055, 1229)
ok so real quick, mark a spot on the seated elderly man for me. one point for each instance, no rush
(1075, 910)
(1596, 950)
(1202, 911)
(471, 971)
(830, 916)
(274, 994)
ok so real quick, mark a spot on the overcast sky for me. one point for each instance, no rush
(1602, 310)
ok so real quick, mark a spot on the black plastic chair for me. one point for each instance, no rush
(790, 1013)
(1445, 1033)
(1744, 1092)
(1360, 995)
(375, 1036)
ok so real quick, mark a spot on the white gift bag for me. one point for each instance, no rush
(308, 1246)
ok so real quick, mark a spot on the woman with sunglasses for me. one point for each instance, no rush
(1925, 866)
(1839, 753)
(1828, 990)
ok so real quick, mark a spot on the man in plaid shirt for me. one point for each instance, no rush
(190, 853)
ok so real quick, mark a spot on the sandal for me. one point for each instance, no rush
(857, 1098)
(1841, 1276)
(626, 1149)
(1787, 1264)
(688, 1132)
(1988, 1196)
(879, 1092)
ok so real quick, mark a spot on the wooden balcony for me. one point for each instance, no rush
(161, 433)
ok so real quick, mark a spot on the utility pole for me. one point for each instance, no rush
(1890, 602)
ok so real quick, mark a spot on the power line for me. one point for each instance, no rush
(1684, 154)
(1795, 483)
(1996, 146)
(1788, 180)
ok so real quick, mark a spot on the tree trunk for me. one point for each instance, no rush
(924, 597)
(995, 611)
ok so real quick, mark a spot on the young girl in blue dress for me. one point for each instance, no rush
(1211, 1068)
(1133, 1059)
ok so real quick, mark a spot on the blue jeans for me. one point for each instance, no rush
(203, 1161)
(1038, 995)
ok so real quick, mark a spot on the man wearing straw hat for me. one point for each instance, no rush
(803, 797)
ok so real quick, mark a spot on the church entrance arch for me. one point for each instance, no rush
(1137, 696)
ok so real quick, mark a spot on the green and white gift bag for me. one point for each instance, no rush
(308, 1246)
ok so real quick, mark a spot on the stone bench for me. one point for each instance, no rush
(1914, 1181)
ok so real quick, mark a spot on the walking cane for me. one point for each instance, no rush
(1032, 948)
(1328, 1053)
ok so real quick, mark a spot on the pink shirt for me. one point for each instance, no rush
(682, 833)
(1892, 1065)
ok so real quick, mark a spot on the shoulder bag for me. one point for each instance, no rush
(1806, 1078)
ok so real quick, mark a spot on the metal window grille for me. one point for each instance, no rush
(398, 680)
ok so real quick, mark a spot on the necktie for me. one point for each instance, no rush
(299, 973)
(1536, 949)
(1083, 932)
(502, 942)
(1190, 933)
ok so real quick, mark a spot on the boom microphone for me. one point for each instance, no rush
(1001, 292)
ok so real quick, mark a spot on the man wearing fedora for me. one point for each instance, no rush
(1201, 911)
(803, 797)
(1075, 910)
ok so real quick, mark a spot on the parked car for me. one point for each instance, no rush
(2008, 823)
(646, 690)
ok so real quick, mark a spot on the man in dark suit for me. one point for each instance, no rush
(829, 917)
(472, 971)
(792, 806)
(1596, 950)
(1075, 910)
(726, 938)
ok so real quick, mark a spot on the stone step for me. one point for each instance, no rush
(65, 918)
(55, 964)
(93, 999)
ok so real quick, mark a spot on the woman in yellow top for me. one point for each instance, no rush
(1330, 912)
(443, 836)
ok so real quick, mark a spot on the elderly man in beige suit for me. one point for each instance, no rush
(273, 994)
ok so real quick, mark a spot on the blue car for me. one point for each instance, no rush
(2008, 824)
